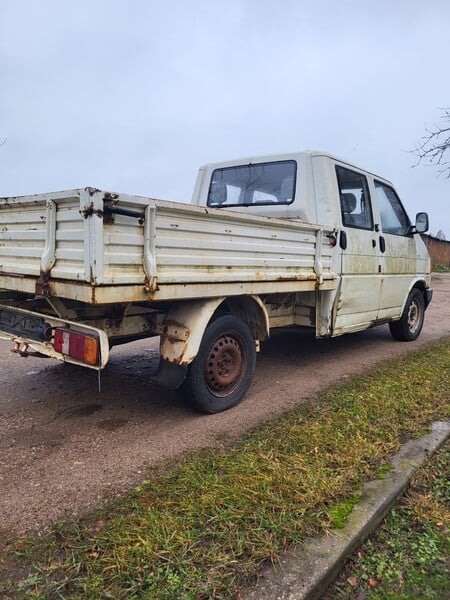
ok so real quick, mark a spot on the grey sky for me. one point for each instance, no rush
(135, 95)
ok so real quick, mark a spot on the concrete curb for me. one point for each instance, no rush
(306, 572)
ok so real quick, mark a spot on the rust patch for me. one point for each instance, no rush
(332, 236)
(88, 211)
(175, 332)
(42, 287)
(181, 362)
(91, 190)
(296, 277)
(110, 196)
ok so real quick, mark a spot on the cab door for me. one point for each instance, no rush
(398, 249)
(359, 296)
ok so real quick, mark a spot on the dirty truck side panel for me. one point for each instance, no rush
(175, 245)
(358, 296)
(404, 259)
(381, 259)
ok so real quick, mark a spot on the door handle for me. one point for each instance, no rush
(382, 243)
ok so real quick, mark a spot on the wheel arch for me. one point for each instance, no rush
(426, 290)
(185, 323)
(421, 285)
(251, 310)
(408, 327)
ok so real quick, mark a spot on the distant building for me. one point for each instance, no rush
(438, 249)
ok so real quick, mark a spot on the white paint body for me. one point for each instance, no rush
(273, 265)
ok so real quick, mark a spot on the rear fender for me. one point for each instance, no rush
(420, 285)
(183, 329)
(185, 324)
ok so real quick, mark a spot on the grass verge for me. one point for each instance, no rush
(203, 529)
(441, 268)
(408, 556)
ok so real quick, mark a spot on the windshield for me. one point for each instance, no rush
(253, 184)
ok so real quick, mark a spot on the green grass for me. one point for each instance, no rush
(383, 470)
(441, 268)
(340, 512)
(204, 528)
(408, 557)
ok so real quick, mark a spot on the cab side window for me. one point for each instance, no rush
(354, 196)
(393, 216)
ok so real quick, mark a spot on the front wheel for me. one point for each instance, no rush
(409, 326)
(223, 369)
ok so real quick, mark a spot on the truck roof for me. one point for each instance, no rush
(287, 156)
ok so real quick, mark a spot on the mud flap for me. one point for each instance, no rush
(170, 375)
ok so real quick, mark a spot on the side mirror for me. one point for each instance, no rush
(421, 222)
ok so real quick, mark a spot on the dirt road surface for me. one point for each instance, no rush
(66, 447)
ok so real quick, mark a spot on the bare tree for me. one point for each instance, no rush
(433, 147)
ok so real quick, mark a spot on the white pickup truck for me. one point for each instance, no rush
(300, 239)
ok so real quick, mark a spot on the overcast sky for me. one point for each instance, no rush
(135, 95)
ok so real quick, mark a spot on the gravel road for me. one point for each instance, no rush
(66, 447)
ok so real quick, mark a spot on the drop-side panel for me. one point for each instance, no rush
(197, 247)
(194, 245)
(22, 237)
(29, 224)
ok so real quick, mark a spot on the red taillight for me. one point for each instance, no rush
(81, 346)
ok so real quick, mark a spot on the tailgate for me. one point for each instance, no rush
(43, 232)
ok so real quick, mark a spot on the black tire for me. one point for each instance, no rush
(409, 326)
(223, 369)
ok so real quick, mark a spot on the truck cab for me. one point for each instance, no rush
(379, 257)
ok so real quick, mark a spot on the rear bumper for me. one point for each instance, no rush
(428, 296)
(34, 332)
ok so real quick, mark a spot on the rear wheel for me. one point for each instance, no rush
(223, 369)
(409, 326)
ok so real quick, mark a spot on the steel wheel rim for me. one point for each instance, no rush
(225, 365)
(414, 316)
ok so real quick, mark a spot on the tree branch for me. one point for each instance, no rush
(433, 147)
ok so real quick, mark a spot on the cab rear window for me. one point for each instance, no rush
(253, 184)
